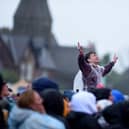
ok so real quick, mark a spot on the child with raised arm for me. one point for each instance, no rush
(92, 72)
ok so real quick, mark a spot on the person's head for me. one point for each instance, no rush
(31, 100)
(91, 57)
(53, 102)
(42, 83)
(3, 88)
(83, 101)
(118, 96)
(102, 93)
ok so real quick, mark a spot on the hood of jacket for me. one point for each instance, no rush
(18, 116)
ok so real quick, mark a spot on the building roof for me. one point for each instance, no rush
(6, 59)
(46, 60)
(65, 59)
(32, 18)
(18, 45)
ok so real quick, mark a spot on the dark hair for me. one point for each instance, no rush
(53, 102)
(2, 83)
(102, 93)
(87, 55)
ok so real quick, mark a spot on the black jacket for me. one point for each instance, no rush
(78, 120)
(117, 115)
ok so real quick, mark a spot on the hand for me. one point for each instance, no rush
(115, 58)
(80, 48)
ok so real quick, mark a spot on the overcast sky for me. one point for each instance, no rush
(105, 22)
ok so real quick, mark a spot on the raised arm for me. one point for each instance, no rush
(83, 65)
(108, 67)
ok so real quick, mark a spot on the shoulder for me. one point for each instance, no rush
(41, 121)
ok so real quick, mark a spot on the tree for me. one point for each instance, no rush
(105, 59)
(10, 75)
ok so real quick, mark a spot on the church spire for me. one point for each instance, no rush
(32, 18)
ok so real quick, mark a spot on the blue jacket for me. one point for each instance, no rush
(28, 119)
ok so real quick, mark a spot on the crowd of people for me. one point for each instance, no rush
(42, 105)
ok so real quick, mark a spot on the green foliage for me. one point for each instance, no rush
(105, 59)
(119, 81)
(113, 78)
(9, 75)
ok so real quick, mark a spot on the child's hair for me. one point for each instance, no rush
(87, 56)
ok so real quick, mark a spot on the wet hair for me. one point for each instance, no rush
(26, 99)
(87, 55)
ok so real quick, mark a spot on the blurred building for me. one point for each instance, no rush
(31, 48)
